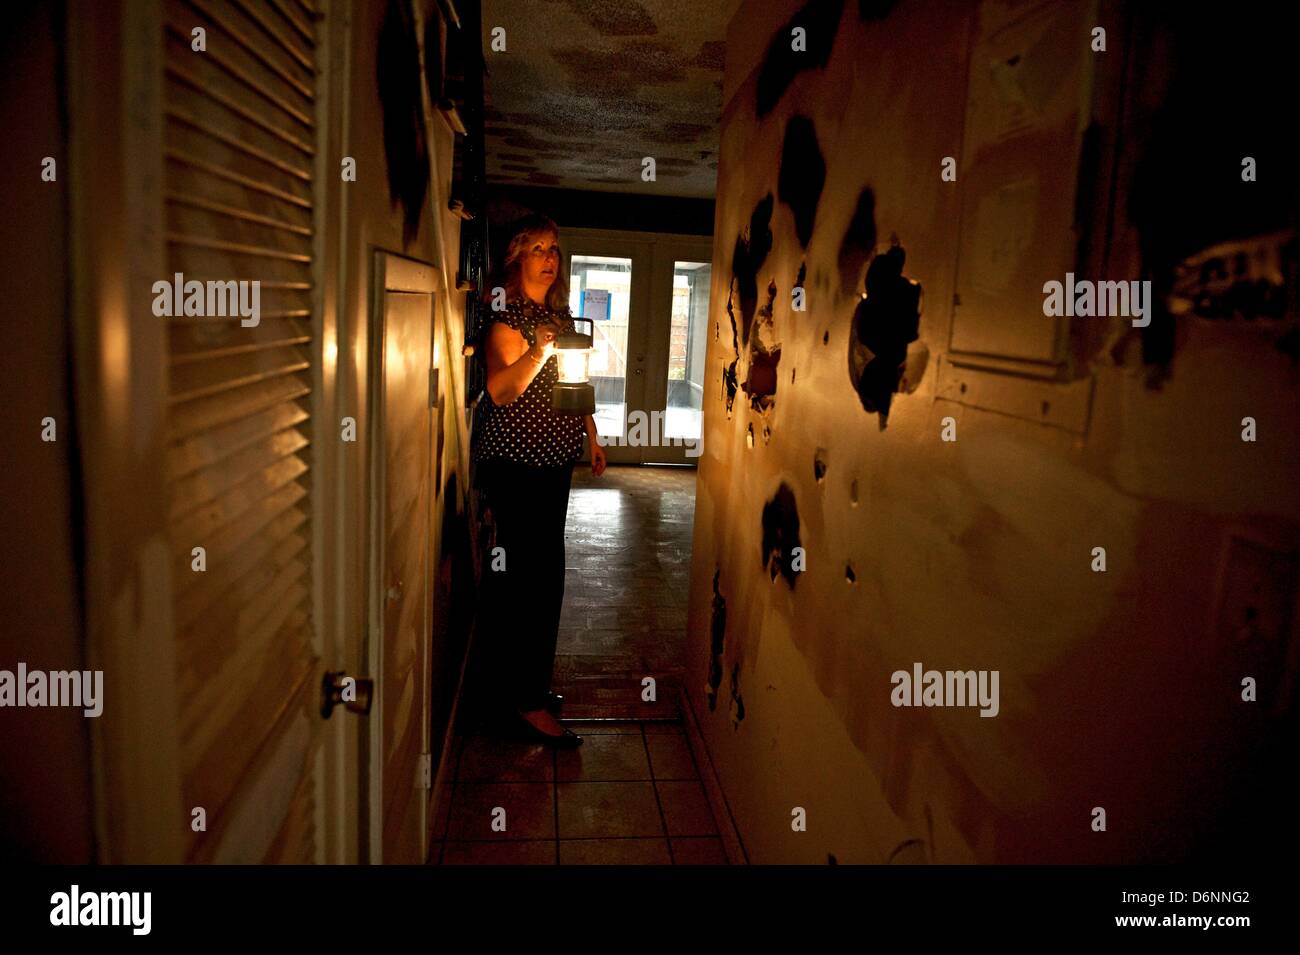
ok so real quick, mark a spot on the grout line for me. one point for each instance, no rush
(663, 820)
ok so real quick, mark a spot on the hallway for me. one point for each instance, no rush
(631, 794)
(939, 363)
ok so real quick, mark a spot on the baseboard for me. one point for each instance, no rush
(732, 844)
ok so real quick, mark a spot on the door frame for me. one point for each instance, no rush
(392, 273)
(649, 310)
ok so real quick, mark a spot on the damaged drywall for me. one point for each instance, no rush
(802, 176)
(973, 553)
(748, 256)
(885, 323)
(781, 535)
(818, 21)
(717, 641)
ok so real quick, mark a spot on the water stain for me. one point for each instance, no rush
(781, 534)
(802, 175)
(752, 247)
(737, 701)
(820, 20)
(717, 642)
(859, 242)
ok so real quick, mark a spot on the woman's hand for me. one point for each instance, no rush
(597, 451)
(544, 347)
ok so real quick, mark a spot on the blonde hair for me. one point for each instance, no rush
(526, 230)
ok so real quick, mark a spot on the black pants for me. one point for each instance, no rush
(522, 601)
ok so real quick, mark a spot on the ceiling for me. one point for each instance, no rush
(585, 89)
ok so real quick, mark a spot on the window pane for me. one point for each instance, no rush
(609, 336)
(686, 346)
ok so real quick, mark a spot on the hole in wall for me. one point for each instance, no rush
(764, 357)
(802, 175)
(853, 493)
(826, 337)
(884, 323)
(820, 459)
(849, 575)
(767, 435)
(749, 436)
(729, 384)
(780, 523)
(731, 314)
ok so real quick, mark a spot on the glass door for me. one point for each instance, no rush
(648, 297)
(676, 336)
(607, 283)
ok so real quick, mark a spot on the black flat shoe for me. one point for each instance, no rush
(566, 740)
(553, 703)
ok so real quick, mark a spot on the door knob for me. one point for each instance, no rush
(355, 693)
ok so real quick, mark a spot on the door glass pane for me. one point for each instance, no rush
(609, 362)
(686, 346)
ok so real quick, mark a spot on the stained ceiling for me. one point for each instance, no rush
(585, 89)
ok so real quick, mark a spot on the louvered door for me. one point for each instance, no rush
(239, 147)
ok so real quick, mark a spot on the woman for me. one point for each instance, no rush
(524, 455)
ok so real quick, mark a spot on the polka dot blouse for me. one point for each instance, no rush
(526, 430)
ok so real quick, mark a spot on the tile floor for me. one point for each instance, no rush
(628, 560)
(631, 794)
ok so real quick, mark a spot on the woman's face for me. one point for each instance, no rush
(541, 261)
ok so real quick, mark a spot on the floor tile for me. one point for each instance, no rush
(529, 811)
(523, 852)
(686, 809)
(670, 757)
(486, 760)
(607, 756)
(592, 810)
(663, 726)
(698, 851)
(614, 852)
